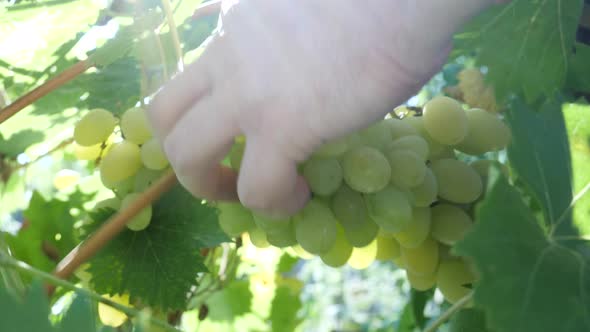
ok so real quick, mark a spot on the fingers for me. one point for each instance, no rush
(198, 142)
(269, 183)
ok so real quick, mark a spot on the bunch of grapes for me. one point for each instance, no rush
(393, 191)
(129, 158)
(475, 92)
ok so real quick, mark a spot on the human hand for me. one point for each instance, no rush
(291, 75)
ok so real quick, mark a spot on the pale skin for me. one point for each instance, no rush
(291, 75)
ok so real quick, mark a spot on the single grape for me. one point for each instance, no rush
(422, 260)
(110, 316)
(482, 167)
(234, 219)
(453, 279)
(94, 127)
(269, 225)
(449, 223)
(153, 156)
(258, 238)
(122, 161)
(387, 248)
(434, 147)
(377, 135)
(417, 231)
(124, 187)
(141, 220)
(425, 193)
(283, 237)
(457, 182)
(135, 126)
(340, 252)
(486, 133)
(332, 149)
(445, 120)
(399, 262)
(315, 228)
(324, 176)
(366, 169)
(87, 152)
(109, 203)
(413, 143)
(144, 178)
(362, 258)
(421, 283)
(350, 210)
(399, 128)
(407, 168)
(390, 209)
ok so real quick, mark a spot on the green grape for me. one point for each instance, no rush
(421, 283)
(234, 219)
(135, 126)
(87, 152)
(366, 169)
(258, 238)
(94, 127)
(324, 176)
(124, 187)
(387, 248)
(363, 233)
(417, 231)
(142, 220)
(434, 147)
(457, 182)
(446, 153)
(422, 260)
(407, 168)
(377, 135)
(390, 209)
(452, 278)
(445, 120)
(486, 133)
(350, 210)
(109, 203)
(301, 253)
(449, 223)
(340, 252)
(399, 128)
(152, 155)
(315, 228)
(333, 148)
(482, 167)
(399, 262)
(425, 193)
(122, 162)
(269, 225)
(236, 154)
(362, 258)
(413, 143)
(144, 178)
(284, 237)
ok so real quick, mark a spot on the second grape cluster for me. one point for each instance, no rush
(394, 191)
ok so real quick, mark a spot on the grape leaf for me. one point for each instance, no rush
(48, 234)
(528, 281)
(577, 118)
(285, 306)
(578, 78)
(17, 143)
(539, 153)
(525, 45)
(412, 317)
(468, 320)
(230, 302)
(79, 317)
(159, 265)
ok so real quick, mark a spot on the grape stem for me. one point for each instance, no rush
(8, 261)
(112, 227)
(450, 312)
(174, 33)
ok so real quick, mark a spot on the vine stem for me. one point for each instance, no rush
(174, 33)
(23, 267)
(447, 314)
(112, 227)
(42, 90)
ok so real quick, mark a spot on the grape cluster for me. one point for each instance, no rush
(128, 157)
(473, 90)
(393, 191)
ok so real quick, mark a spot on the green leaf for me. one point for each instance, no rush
(159, 265)
(230, 302)
(30, 314)
(17, 143)
(578, 124)
(528, 282)
(285, 306)
(79, 317)
(468, 320)
(525, 45)
(413, 317)
(539, 153)
(578, 77)
(286, 263)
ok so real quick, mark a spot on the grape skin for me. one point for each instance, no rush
(457, 182)
(451, 277)
(324, 176)
(315, 228)
(122, 161)
(142, 219)
(234, 219)
(407, 168)
(340, 252)
(449, 223)
(366, 169)
(422, 260)
(153, 156)
(413, 143)
(135, 126)
(95, 127)
(425, 193)
(362, 258)
(390, 209)
(399, 128)
(421, 283)
(387, 248)
(258, 238)
(417, 231)
(283, 237)
(487, 133)
(445, 120)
